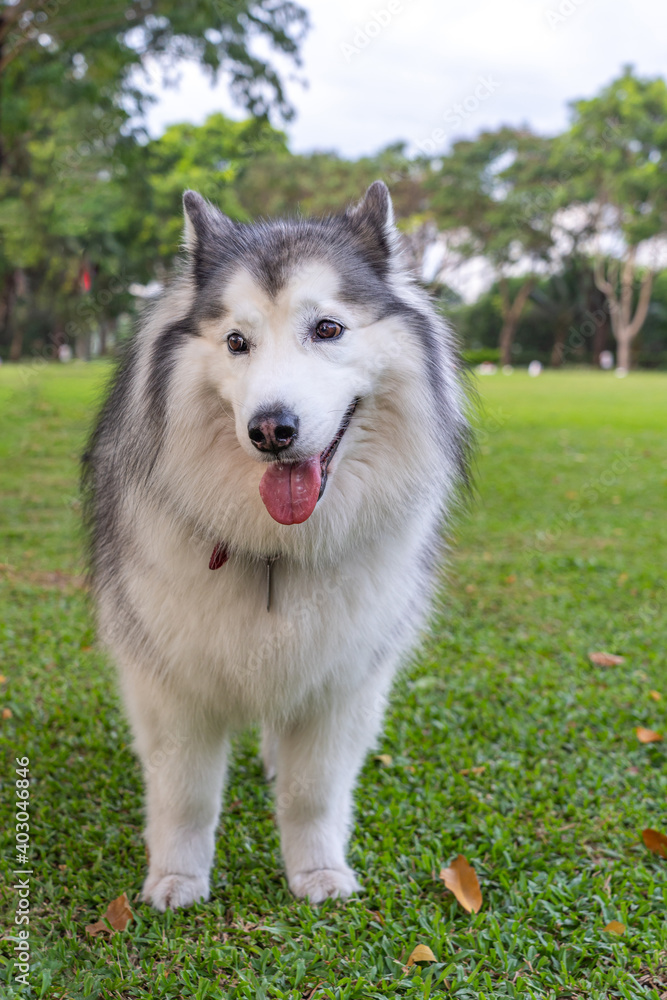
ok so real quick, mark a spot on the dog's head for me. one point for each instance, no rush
(305, 321)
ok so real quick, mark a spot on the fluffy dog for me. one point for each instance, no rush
(265, 489)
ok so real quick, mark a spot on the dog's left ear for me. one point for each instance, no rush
(373, 222)
(204, 226)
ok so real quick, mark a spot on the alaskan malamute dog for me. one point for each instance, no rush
(266, 488)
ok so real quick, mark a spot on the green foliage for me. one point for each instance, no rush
(484, 189)
(565, 308)
(210, 158)
(83, 191)
(99, 46)
(325, 183)
(557, 557)
(614, 155)
(481, 354)
(73, 162)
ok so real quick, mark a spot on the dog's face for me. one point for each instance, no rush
(291, 362)
(302, 317)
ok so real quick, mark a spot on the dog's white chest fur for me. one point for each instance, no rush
(216, 643)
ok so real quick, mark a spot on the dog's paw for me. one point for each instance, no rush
(324, 883)
(174, 891)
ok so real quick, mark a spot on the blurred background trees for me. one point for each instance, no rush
(547, 248)
(85, 200)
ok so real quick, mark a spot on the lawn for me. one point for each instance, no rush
(504, 742)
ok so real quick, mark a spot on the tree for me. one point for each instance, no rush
(322, 183)
(107, 41)
(614, 162)
(71, 153)
(563, 298)
(484, 193)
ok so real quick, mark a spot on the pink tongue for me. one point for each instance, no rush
(290, 491)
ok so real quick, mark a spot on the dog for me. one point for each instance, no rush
(265, 490)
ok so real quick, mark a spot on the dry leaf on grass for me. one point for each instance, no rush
(655, 695)
(647, 735)
(460, 878)
(655, 841)
(2, 678)
(6, 713)
(422, 953)
(384, 758)
(615, 927)
(118, 914)
(473, 770)
(606, 659)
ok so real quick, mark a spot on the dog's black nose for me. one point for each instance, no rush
(273, 430)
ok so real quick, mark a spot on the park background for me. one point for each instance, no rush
(525, 146)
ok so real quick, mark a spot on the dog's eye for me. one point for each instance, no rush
(237, 344)
(328, 329)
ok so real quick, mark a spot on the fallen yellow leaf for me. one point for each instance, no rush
(422, 953)
(655, 841)
(384, 758)
(655, 695)
(6, 713)
(647, 735)
(615, 927)
(2, 678)
(460, 878)
(118, 914)
(606, 659)
(473, 770)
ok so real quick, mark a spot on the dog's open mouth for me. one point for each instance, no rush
(290, 490)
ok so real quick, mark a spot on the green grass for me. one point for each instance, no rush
(563, 552)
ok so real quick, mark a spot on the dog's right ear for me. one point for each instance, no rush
(373, 222)
(204, 226)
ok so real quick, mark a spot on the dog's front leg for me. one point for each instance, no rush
(317, 764)
(184, 759)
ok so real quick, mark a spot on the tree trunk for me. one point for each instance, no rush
(624, 325)
(506, 340)
(600, 341)
(6, 307)
(16, 343)
(106, 326)
(16, 346)
(82, 347)
(556, 359)
(511, 312)
(623, 358)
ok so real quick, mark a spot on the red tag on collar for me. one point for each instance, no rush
(219, 557)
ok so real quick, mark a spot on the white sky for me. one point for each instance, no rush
(430, 56)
